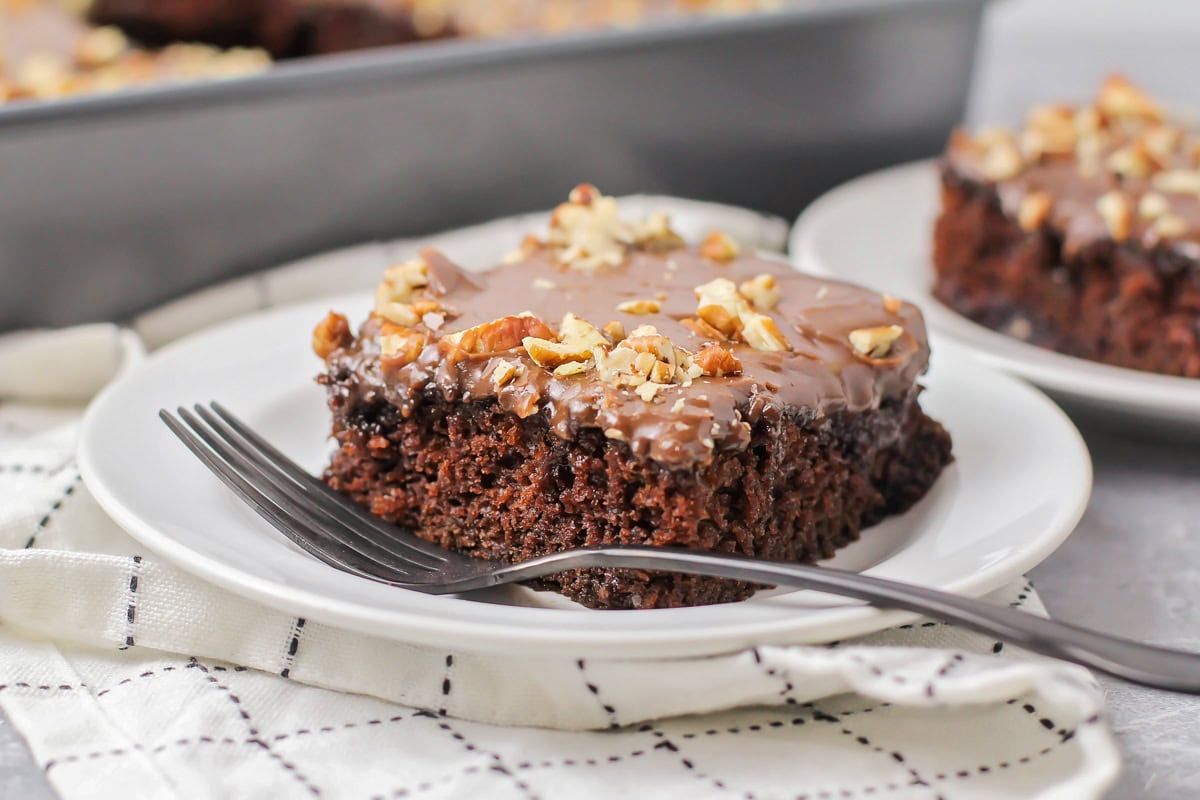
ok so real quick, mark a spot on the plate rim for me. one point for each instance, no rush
(1080, 378)
(839, 621)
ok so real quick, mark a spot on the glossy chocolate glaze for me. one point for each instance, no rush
(1074, 215)
(1124, 148)
(683, 425)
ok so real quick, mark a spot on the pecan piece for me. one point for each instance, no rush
(495, 336)
(330, 334)
(717, 362)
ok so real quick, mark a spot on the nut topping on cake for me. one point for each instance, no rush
(399, 346)
(703, 329)
(1122, 135)
(1114, 209)
(330, 334)
(1170, 225)
(496, 336)
(586, 232)
(1133, 160)
(761, 333)
(875, 342)
(1034, 210)
(1001, 156)
(762, 291)
(99, 47)
(646, 356)
(654, 235)
(723, 307)
(505, 372)
(719, 247)
(1178, 181)
(640, 306)
(1120, 99)
(1049, 130)
(1153, 205)
(575, 341)
(614, 330)
(717, 362)
(394, 295)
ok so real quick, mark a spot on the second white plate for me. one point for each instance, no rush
(1019, 484)
(877, 231)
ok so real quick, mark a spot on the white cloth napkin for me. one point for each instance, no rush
(130, 678)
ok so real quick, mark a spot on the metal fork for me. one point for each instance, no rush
(341, 534)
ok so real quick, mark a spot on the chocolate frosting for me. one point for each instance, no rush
(683, 425)
(1124, 145)
(1074, 215)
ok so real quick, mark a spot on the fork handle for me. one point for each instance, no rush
(1145, 664)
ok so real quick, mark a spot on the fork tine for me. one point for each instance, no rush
(250, 443)
(309, 540)
(297, 507)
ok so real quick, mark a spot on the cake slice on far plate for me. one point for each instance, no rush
(1079, 233)
(612, 384)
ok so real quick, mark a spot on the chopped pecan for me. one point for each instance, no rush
(576, 340)
(1114, 209)
(1034, 210)
(719, 247)
(1177, 181)
(1170, 225)
(702, 329)
(394, 295)
(761, 333)
(717, 362)
(762, 291)
(586, 233)
(875, 342)
(1049, 130)
(1133, 160)
(648, 390)
(101, 46)
(399, 346)
(1120, 99)
(505, 371)
(721, 305)
(1001, 156)
(640, 306)
(495, 336)
(330, 334)
(1153, 205)
(654, 235)
(614, 330)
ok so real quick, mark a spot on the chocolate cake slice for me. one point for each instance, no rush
(1081, 234)
(610, 384)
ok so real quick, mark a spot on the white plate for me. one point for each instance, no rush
(1019, 485)
(877, 231)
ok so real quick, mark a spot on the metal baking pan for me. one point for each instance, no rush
(111, 204)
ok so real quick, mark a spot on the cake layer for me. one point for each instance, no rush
(479, 480)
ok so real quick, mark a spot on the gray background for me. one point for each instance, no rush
(1133, 566)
